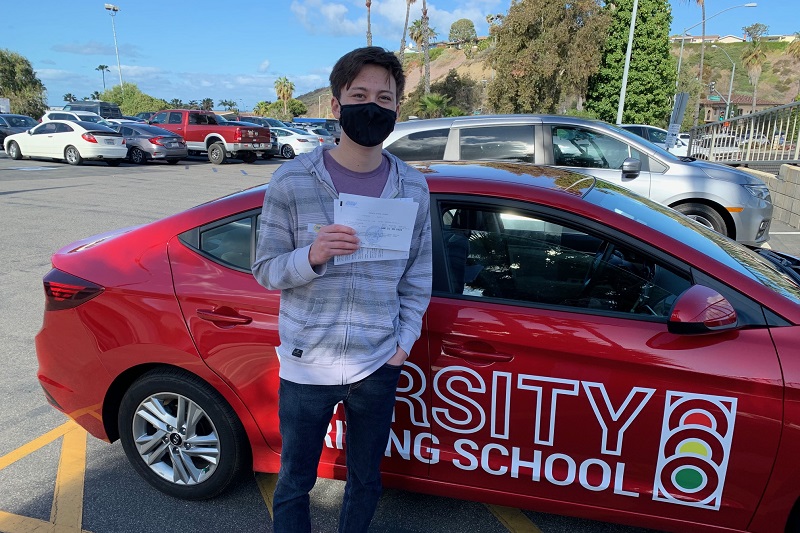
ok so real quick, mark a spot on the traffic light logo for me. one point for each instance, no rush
(696, 436)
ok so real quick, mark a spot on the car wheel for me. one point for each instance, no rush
(249, 157)
(73, 156)
(705, 215)
(216, 153)
(181, 435)
(113, 162)
(137, 156)
(287, 152)
(13, 151)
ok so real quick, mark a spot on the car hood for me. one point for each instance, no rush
(718, 171)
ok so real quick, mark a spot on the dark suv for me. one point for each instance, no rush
(104, 109)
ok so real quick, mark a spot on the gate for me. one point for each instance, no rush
(762, 141)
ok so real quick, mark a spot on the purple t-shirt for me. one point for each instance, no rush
(363, 183)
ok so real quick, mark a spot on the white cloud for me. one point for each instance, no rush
(264, 66)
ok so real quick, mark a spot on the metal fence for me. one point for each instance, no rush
(762, 141)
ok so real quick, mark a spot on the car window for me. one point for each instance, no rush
(64, 128)
(159, 118)
(92, 118)
(126, 132)
(524, 260)
(62, 116)
(46, 129)
(421, 146)
(579, 147)
(176, 118)
(3, 122)
(230, 243)
(497, 142)
(657, 136)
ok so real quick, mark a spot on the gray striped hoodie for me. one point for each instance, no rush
(339, 323)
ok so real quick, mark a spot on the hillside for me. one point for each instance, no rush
(779, 82)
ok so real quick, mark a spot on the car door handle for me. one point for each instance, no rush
(477, 351)
(224, 315)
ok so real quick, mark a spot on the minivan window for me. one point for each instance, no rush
(421, 146)
(579, 147)
(497, 142)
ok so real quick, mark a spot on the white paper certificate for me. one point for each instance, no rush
(383, 225)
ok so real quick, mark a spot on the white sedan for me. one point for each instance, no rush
(292, 141)
(73, 141)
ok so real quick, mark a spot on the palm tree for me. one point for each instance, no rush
(95, 96)
(207, 104)
(284, 89)
(433, 105)
(426, 44)
(69, 97)
(176, 103)
(369, 24)
(417, 34)
(405, 30)
(103, 69)
(753, 59)
(262, 108)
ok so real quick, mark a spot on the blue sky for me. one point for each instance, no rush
(236, 50)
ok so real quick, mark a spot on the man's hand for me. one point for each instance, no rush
(398, 358)
(331, 241)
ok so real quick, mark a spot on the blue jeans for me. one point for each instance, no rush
(305, 411)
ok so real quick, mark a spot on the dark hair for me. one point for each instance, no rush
(349, 66)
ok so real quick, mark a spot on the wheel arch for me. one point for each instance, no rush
(719, 209)
(260, 453)
(214, 138)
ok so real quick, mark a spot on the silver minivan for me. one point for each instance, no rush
(730, 201)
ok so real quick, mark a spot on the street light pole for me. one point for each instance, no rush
(730, 86)
(683, 34)
(112, 9)
(623, 89)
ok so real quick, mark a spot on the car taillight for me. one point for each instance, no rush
(302, 140)
(237, 135)
(65, 291)
(89, 137)
(156, 140)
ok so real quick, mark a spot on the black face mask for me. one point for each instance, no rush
(367, 124)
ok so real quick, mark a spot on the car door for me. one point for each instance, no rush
(38, 143)
(234, 323)
(554, 376)
(595, 152)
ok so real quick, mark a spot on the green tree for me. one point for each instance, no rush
(207, 104)
(176, 103)
(294, 108)
(463, 31)
(103, 69)
(94, 96)
(696, 113)
(793, 50)
(433, 105)
(135, 100)
(261, 108)
(18, 83)
(284, 89)
(426, 45)
(193, 104)
(227, 105)
(417, 34)
(69, 97)
(753, 56)
(545, 51)
(651, 75)
(405, 30)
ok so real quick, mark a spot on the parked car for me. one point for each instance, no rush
(70, 140)
(104, 109)
(586, 351)
(146, 115)
(75, 116)
(293, 141)
(326, 138)
(151, 143)
(729, 200)
(134, 118)
(10, 124)
(717, 147)
(657, 136)
(117, 121)
(264, 121)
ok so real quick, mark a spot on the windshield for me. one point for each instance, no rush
(21, 122)
(683, 229)
(636, 138)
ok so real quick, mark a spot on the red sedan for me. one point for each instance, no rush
(586, 352)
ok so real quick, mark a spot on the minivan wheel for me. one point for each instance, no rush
(705, 215)
(180, 435)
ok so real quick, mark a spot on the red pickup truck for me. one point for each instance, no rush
(204, 132)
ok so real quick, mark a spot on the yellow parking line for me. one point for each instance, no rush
(266, 485)
(35, 444)
(67, 507)
(513, 519)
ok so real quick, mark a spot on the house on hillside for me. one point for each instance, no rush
(728, 39)
(713, 110)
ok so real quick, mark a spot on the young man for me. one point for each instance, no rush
(345, 329)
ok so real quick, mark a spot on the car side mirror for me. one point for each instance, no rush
(631, 168)
(701, 310)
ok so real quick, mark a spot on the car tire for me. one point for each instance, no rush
(287, 152)
(152, 435)
(249, 157)
(705, 215)
(113, 162)
(137, 156)
(13, 151)
(73, 156)
(216, 153)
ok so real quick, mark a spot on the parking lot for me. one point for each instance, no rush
(54, 477)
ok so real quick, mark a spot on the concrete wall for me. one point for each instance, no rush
(785, 191)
